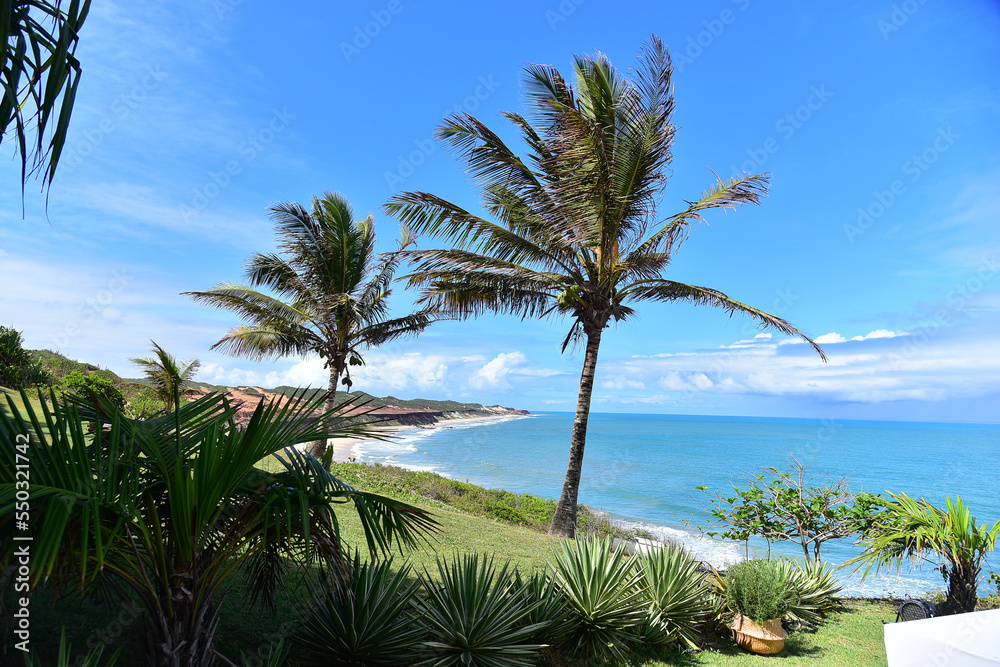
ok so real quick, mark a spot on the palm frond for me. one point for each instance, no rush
(669, 290)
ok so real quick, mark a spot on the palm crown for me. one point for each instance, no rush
(329, 291)
(575, 229)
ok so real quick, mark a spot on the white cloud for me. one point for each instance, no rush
(830, 338)
(494, 372)
(621, 382)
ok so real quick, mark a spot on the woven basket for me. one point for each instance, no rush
(766, 639)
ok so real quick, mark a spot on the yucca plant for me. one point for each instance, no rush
(547, 608)
(679, 597)
(473, 615)
(605, 602)
(363, 624)
(816, 587)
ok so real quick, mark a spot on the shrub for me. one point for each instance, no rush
(93, 384)
(474, 616)
(19, 369)
(680, 600)
(547, 609)
(759, 590)
(604, 601)
(364, 624)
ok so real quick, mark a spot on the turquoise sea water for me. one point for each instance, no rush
(644, 468)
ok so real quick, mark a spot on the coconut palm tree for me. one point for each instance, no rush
(331, 288)
(914, 530)
(576, 230)
(40, 75)
(172, 507)
(167, 376)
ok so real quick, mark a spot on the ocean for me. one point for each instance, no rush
(643, 469)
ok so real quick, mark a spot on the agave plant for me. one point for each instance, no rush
(604, 599)
(816, 587)
(172, 507)
(680, 599)
(365, 624)
(547, 608)
(474, 616)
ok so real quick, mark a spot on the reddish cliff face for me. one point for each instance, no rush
(245, 400)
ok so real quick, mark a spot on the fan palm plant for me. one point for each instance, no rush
(915, 530)
(331, 292)
(40, 74)
(173, 506)
(577, 233)
(167, 376)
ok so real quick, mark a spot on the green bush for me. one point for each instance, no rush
(679, 596)
(604, 599)
(759, 589)
(86, 385)
(474, 615)
(19, 369)
(366, 624)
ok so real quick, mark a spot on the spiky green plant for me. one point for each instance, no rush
(914, 530)
(679, 596)
(364, 623)
(816, 587)
(326, 294)
(473, 615)
(91, 659)
(759, 589)
(547, 608)
(604, 600)
(172, 507)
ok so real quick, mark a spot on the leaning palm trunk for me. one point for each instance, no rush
(318, 448)
(564, 519)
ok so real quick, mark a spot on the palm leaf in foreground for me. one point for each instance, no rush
(106, 504)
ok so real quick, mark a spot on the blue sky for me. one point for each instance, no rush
(877, 120)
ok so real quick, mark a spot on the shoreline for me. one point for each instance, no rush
(344, 448)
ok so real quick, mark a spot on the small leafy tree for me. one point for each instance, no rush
(915, 530)
(87, 385)
(786, 505)
(18, 367)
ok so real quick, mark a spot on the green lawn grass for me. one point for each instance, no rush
(850, 638)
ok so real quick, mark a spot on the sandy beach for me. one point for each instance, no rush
(344, 448)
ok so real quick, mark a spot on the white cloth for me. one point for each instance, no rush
(961, 640)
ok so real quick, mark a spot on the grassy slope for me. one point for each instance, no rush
(852, 638)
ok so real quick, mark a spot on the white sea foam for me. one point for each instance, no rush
(721, 554)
